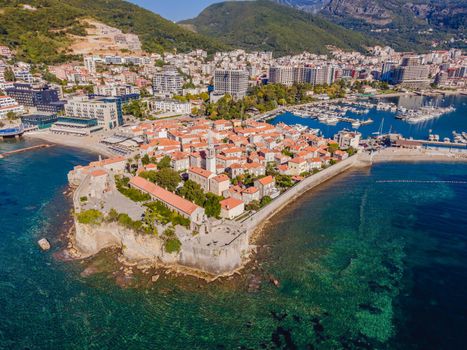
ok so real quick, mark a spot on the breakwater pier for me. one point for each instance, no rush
(27, 149)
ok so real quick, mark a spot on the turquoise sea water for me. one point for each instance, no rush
(442, 126)
(362, 264)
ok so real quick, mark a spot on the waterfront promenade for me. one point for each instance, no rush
(419, 155)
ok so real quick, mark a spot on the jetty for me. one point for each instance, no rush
(27, 149)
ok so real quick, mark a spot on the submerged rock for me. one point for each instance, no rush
(44, 244)
(91, 270)
(254, 284)
(155, 278)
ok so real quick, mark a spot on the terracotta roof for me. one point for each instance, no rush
(200, 172)
(253, 165)
(98, 172)
(108, 161)
(163, 195)
(297, 160)
(266, 180)
(236, 166)
(250, 190)
(221, 178)
(230, 203)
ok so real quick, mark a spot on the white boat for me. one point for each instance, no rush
(356, 124)
(332, 120)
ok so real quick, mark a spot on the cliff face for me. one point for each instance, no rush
(404, 25)
(379, 12)
(89, 240)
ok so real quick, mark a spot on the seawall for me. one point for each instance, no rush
(301, 188)
(227, 258)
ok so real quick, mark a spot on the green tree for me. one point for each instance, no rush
(166, 178)
(90, 217)
(9, 75)
(145, 159)
(136, 108)
(265, 201)
(284, 181)
(254, 205)
(172, 245)
(165, 162)
(112, 216)
(11, 116)
(333, 147)
(144, 93)
(351, 151)
(193, 192)
(212, 205)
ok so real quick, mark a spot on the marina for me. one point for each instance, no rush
(384, 120)
(423, 114)
(331, 113)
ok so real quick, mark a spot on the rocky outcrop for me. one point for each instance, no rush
(382, 13)
(369, 11)
(149, 249)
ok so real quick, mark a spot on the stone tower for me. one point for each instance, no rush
(211, 155)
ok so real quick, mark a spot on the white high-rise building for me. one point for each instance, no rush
(281, 75)
(232, 82)
(90, 64)
(167, 83)
(107, 111)
(7, 105)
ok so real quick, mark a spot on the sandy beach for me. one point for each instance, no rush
(90, 143)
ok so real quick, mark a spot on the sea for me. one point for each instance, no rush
(386, 121)
(376, 258)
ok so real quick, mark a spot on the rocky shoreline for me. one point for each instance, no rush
(160, 265)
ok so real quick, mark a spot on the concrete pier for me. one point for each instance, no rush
(27, 149)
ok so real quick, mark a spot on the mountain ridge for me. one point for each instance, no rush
(265, 25)
(405, 25)
(40, 31)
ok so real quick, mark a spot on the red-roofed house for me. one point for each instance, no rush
(116, 164)
(250, 194)
(297, 166)
(341, 155)
(219, 184)
(201, 177)
(314, 163)
(265, 185)
(255, 169)
(235, 170)
(180, 161)
(231, 208)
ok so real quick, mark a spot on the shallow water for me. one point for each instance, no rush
(361, 264)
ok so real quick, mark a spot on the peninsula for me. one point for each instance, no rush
(194, 195)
